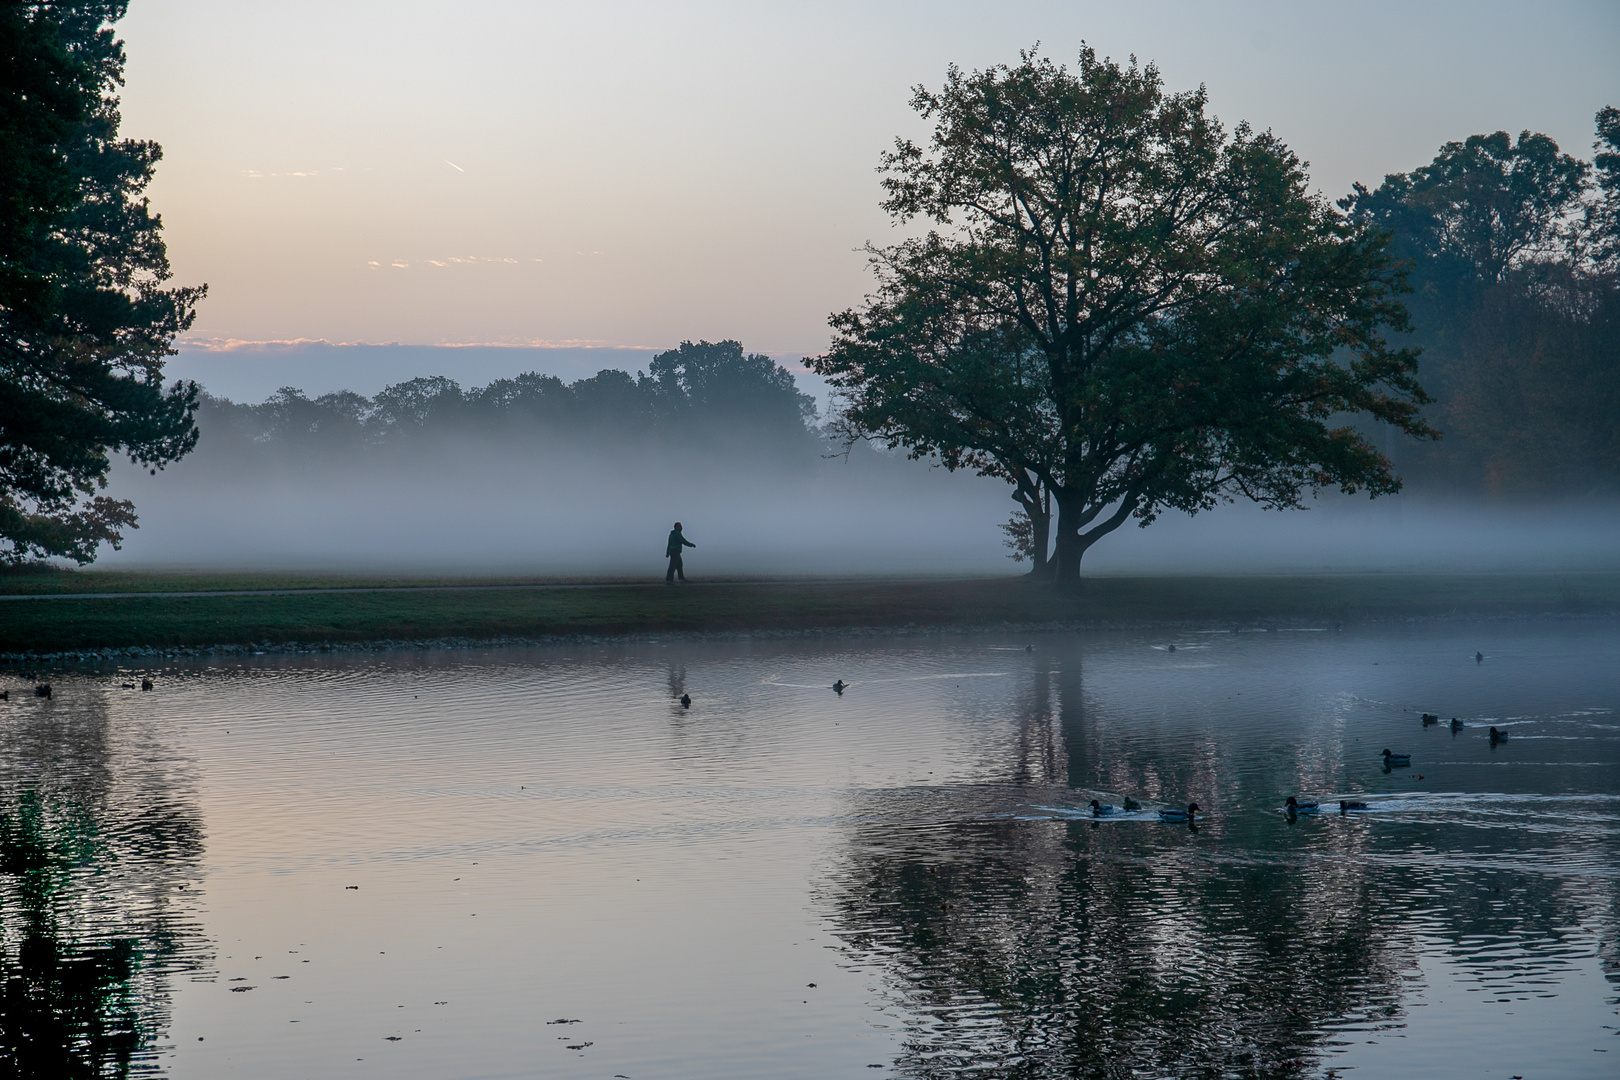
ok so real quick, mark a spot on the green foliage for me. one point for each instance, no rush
(85, 321)
(1020, 540)
(1122, 304)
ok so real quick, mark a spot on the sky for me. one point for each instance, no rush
(628, 176)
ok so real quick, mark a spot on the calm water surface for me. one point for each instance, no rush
(537, 863)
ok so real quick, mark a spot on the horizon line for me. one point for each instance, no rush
(231, 344)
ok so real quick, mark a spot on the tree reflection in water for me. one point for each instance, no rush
(100, 844)
(1017, 946)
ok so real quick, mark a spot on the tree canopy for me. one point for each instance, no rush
(1514, 253)
(85, 320)
(1603, 217)
(1122, 304)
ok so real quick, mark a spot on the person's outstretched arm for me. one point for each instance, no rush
(687, 542)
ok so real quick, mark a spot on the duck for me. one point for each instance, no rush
(838, 687)
(1347, 805)
(129, 686)
(1430, 718)
(1395, 760)
(1131, 804)
(1172, 648)
(1294, 806)
(1479, 658)
(5, 695)
(1498, 736)
(1179, 815)
(1456, 724)
(1101, 809)
(686, 701)
(43, 690)
(146, 684)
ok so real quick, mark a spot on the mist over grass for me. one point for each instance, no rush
(482, 499)
(532, 475)
(474, 510)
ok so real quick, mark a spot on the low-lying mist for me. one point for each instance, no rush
(475, 512)
(533, 476)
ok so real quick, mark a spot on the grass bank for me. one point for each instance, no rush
(243, 609)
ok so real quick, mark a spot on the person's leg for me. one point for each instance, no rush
(669, 575)
(680, 567)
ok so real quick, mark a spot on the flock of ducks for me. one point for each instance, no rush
(1296, 807)
(43, 689)
(1131, 806)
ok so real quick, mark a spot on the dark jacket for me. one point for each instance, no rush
(675, 542)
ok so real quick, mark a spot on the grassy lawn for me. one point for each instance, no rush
(526, 608)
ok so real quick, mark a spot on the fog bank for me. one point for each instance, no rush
(473, 512)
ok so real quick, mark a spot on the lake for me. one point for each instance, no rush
(538, 862)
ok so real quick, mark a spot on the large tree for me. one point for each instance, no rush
(85, 321)
(1123, 304)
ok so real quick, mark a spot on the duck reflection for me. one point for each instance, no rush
(100, 842)
(1021, 947)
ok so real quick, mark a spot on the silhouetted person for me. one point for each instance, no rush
(676, 542)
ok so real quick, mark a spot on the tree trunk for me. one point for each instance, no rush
(1036, 502)
(1070, 547)
(1040, 529)
(1072, 544)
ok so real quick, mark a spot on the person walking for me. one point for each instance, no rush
(676, 542)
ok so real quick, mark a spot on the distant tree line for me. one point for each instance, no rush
(1514, 254)
(703, 396)
(1121, 308)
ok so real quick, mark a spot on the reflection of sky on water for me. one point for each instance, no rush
(452, 849)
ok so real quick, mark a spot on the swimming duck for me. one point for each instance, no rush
(1498, 736)
(43, 690)
(1479, 658)
(1456, 724)
(1131, 804)
(686, 701)
(1294, 806)
(1172, 648)
(1101, 809)
(1346, 805)
(146, 684)
(838, 687)
(1396, 760)
(1179, 815)
(1430, 718)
